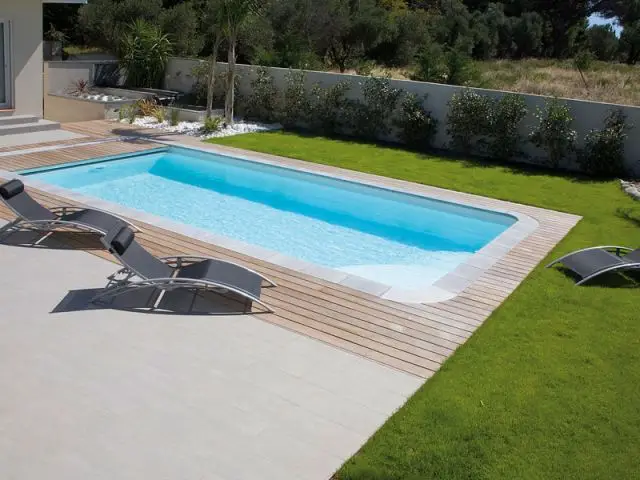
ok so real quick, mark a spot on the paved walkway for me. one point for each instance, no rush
(114, 394)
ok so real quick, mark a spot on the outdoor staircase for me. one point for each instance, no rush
(19, 124)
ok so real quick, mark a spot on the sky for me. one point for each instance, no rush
(596, 20)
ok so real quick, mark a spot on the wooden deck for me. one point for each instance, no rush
(409, 337)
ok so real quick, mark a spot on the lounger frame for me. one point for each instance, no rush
(56, 224)
(614, 268)
(118, 286)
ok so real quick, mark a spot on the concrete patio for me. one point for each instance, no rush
(111, 393)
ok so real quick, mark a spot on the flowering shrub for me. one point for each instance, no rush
(370, 117)
(416, 125)
(505, 117)
(603, 153)
(262, 102)
(469, 121)
(554, 133)
(295, 106)
(327, 108)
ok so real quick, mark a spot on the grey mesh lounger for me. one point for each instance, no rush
(592, 262)
(142, 269)
(32, 215)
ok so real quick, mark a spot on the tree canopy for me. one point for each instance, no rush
(347, 33)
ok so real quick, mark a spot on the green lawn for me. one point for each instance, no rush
(549, 386)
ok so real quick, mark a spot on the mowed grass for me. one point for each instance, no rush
(549, 386)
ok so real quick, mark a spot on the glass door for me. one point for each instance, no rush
(5, 74)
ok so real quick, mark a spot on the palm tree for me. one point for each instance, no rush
(235, 14)
(215, 19)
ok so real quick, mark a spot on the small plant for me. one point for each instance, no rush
(123, 112)
(295, 104)
(79, 87)
(146, 107)
(159, 113)
(469, 121)
(379, 102)
(327, 108)
(262, 102)
(174, 117)
(132, 113)
(504, 132)
(212, 124)
(417, 126)
(603, 153)
(554, 133)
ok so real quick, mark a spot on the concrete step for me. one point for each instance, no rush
(31, 127)
(17, 119)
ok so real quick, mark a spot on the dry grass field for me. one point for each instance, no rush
(605, 82)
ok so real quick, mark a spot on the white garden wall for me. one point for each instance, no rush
(588, 115)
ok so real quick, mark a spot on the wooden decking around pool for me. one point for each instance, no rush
(413, 338)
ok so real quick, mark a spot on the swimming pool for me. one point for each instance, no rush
(400, 240)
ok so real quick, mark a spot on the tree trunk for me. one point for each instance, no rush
(212, 76)
(231, 84)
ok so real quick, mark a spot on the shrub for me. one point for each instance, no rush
(327, 108)
(469, 121)
(553, 132)
(174, 117)
(159, 113)
(123, 112)
(146, 107)
(417, 126)
(144, 53)
(460, 67)
(365, 67)
(132, 112)
(294, 103)
(431, 65)
(212, 124)
(505, 117)
(262, 102)
(370, 116)
(199, 89)
(603, 153)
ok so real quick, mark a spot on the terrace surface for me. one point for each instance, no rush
(412, 338)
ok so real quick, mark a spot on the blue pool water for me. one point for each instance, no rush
(390, 237)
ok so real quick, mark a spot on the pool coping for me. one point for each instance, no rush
(445, 288)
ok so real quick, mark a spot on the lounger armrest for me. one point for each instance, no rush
(62, 211)
(179, 261)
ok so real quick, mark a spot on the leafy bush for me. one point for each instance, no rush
(144, 53)
(603, 153)
(174, 117)
(554, 133)
(469, 121)
(212, 124)
(263, 100)
(370, 116)
(328, 108)
(124, 112)
(294, 103)
(365, 67)
(417, 126)
(460, 67)
(505, 117)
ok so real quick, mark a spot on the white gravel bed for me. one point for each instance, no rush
(195, 128)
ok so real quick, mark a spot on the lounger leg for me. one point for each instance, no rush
(6, 229)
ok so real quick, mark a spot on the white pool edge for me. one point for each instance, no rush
(447, 287)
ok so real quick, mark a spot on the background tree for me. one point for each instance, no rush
(233, 15)
(603, 42)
